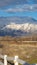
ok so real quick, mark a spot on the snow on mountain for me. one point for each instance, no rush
(26, 27)
(16, 26)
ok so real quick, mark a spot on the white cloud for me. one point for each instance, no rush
(22, 8)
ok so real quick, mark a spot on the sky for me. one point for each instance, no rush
(18, 8)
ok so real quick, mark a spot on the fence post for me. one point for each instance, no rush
(16, 60)
(5, 59)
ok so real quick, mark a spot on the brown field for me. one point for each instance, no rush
(12, 46)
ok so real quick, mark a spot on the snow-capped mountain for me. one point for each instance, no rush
(26, 27)
(19, 29)
(18, 26)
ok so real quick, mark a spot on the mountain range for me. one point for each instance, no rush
(17, 26)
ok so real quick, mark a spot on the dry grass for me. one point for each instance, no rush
(25, 50)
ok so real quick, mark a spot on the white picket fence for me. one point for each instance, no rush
(15, 59)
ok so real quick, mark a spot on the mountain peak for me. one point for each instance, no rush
(25, 27)
(18, 25)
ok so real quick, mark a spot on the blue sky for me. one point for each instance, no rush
(31, 14)
(18, 8)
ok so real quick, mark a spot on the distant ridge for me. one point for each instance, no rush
(18, 26)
